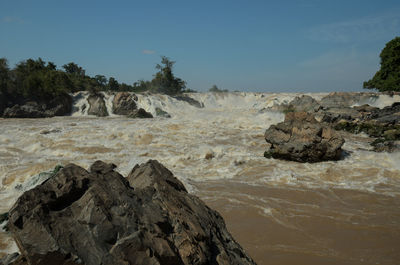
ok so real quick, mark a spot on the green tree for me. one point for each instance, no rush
(164, 80)
(4, 75)
(388, 77)
(73, 68)
(113, 84)
(101, 80)
(214, 88)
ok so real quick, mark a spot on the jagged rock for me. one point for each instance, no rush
(13, 259)
(97, 105)
(304, 103)
(375, 122)
(333, 115)
(124, 103)
(57, 106)
(382, 145)
(301, 138)
(388, 115)
(344, 99)
(162, 113)
(140, 113)
(189, 100)
(100, 217)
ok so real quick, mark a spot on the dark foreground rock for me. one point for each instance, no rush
(301, 138)
(97, 105)
(140, 114)
(100, 217)
(124, 103)
(57, 106)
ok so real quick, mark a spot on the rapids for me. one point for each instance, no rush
(281, 212)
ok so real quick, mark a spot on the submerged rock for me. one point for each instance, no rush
(140, 113)
(302, 138)
(124, 103)
(97, 105)
(99, 217)
(162, 113)
(189, 100)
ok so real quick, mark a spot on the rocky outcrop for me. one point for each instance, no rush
(57, 106)
(344, 99)
(298, 104)
(97, 105)
(189, 100)
(140, 114)
(124, 103)
(301, 138)
(99, 217)
(304, 103)
(375, 122)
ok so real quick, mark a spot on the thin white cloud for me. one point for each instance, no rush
(148, 52)
(10, 19)
(358, 30)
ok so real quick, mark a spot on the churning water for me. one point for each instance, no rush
(344, 212)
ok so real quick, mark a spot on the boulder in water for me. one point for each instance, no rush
(189, 100)
(97, 105)
(99, 217)
(302, 138)
(162, 113)
(141, 114)
(124, 103)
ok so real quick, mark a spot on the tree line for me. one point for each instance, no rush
(37, 79)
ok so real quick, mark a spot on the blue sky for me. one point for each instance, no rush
(288, 46)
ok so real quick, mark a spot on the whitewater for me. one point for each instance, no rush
(281, 212)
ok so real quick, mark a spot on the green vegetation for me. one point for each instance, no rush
(214, 88)
(388, 77)
(38, 80)
(164, 80)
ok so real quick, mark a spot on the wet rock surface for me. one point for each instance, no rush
(100, 217)
(302, 138)
(189, 100)
(140, 114)
(162, 113)
(124, 103)
(97, 105)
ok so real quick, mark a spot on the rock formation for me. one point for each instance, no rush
(162, 113)
(140, 113)
(124, 103)
(99, 217)
(301, 138)
(189, 100)
(58, 106)
(97, 105)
